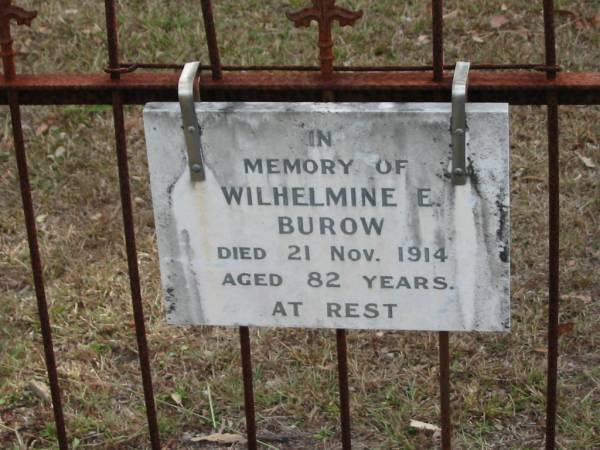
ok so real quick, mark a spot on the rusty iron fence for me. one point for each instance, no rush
(127, 83)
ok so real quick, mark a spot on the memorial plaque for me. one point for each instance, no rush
(332, 215)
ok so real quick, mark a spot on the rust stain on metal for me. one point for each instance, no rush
(10, 12)
(249, 404)
(37, 268)
(211, 39)
(553, 269)
(444, 356)
(344, 389)
(517, 88)
(128, 223)
(437, 11)
(325, 12)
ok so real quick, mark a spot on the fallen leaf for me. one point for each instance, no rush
(220, 438)
(587, 162)
(451, 15)
(176, 397)
(477, 38)
(423, 39)
(519, 172)
(60, 152)
(41, 218)
(417, 424)
(564, 328)
(522, 31)
(583, 298)
(532, 178)
(540, 350)
(565, 12)
(42, 129)
(578, 20)
(132, 123)
(498, 21)
(284, 438)
(40, 390)
(436, 437)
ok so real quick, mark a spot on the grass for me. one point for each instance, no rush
(498, 381)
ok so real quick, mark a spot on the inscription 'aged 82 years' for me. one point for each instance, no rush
(333, 215)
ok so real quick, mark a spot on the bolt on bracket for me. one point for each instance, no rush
(191, 129)
(459, 122)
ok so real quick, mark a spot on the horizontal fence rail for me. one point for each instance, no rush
(139, 83)
(517, 88)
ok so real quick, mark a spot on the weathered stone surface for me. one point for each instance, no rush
(333, 215)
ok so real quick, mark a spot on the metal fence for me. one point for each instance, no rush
(135, 83)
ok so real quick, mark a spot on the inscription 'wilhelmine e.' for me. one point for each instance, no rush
(334, 216)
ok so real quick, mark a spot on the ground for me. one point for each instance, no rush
(498, 381)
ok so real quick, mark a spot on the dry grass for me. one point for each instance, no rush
(498, 381)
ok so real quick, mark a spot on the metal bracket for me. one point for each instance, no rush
(459, 122)
(191, 130)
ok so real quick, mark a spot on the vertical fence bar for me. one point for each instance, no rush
(437, 11)
(342, 353)
(342, 356)
(553, 269)
(249, 406)
(10, 73)
(553, 230)
(132, 263)
(112, 37)
(129, 228)
(549, 37)
(342, 360)
(444, 352)
(328, 95)
(211, 39)
(36, 266)
(248, 388)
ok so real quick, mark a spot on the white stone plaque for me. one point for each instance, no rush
(330, 215)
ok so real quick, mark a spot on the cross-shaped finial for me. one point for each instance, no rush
(9, 12)
(324, 12)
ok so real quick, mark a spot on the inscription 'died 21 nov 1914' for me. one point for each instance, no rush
(333, 216)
